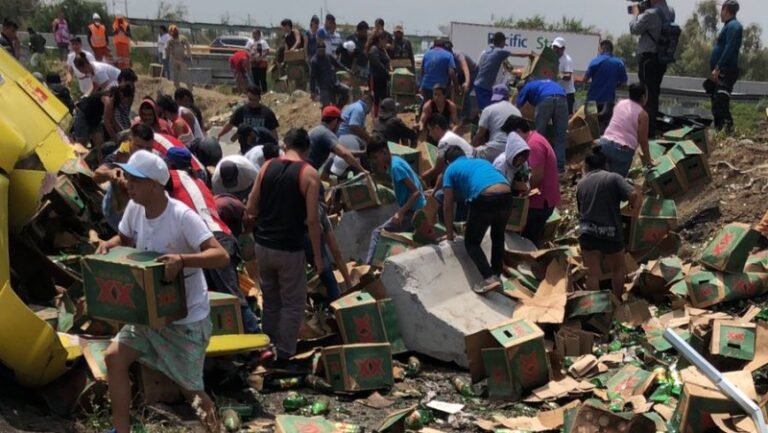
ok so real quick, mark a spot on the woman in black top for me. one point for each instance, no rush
(379, 63)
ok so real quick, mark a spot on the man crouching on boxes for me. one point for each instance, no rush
(154, 222)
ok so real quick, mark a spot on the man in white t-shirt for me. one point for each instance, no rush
(162, 55)
(439, 131)
(154, 222)
(566, 72)
(83, 81)
(490, 140)
(258, 50)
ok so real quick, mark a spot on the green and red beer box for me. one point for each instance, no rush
(391, 244)
(226, 315)
(512, 356)
(403, 82)
(410, 155)
(587, 303)
(729, 250)
(698, 135)
(128, 286)
(550, 228)
(732, 339)
(359, 319)
(711, 288)
(666, 179)
(545, 65)
(691, 161)
(655, 220)
(629, 381)
(392, 326)
(315, 424)
(519, 216)
(358, 367)
(659, 148)
(67, 197)
(360, 193)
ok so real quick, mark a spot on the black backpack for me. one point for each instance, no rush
(666, 45)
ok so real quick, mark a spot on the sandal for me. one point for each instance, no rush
(488, 285)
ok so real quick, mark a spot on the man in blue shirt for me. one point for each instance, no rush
(352, 133)
(408, 190)
(488, 69)
(606, 74)
(725, 65)
(551, 105)
(488, 193)
(438, 67)
(327, 35)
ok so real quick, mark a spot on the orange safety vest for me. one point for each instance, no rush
(122, 37)
(98, 36)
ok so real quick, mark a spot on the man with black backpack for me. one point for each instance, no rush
(656, 49)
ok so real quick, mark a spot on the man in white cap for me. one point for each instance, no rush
(566, 72)
(234, 175)
(98, 38)
(155, 222)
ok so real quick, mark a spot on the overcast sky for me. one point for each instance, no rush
(424, 16)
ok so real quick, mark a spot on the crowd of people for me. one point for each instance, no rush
(170, 190)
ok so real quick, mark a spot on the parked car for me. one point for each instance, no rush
(228, 44)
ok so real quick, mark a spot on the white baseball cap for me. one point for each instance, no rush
(96, 16)
(559, 43)
(147, 165)
(349, 46)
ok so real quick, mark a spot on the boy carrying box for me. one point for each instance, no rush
(154, 222)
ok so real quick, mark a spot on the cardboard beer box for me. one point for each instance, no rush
(573, 342)
(127, 285)
(409, 154)
(427, 156)
(655, 219)
(706, 289)
(550, 228)
(731, 339)
(512, 356)
(519, 216)
(358, 367)
(359, 319)
(666, 179)
(67, 198)
(386, 195)
(292, 56)
(226, 315)
(316, 424)
(729, 250)
(691, 161)
(630, 381)
(403, 82)
(296, 72)
(698, 135)
(700, 399)
(659, 148)
(392, 244)
(543, 66)
(360, 193)
(392, 326)
(587, 303)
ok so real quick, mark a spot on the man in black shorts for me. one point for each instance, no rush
(599, 194)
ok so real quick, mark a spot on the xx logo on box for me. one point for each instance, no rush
(308, 428)
(707, 292)
(529, 366)
(735, 336)
(586, 303)
(654, 234)
(498, 375)
(364, 329)
(369, 368)
(722, 246)
(745, 287)
(167, 298)
(115, 292)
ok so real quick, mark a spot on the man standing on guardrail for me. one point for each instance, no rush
(179, 52)
(724, 63)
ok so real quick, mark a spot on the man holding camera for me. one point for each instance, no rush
(648, 22)
(725, 65)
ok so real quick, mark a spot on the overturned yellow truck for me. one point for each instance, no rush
(33, 148)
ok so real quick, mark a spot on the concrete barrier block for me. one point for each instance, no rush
(355, 227)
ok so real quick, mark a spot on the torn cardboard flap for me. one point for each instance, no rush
(548, 304)
(583, 366)
(573, 342)
(741, 379)
(630, 381)
(730, 423)
(761, 348)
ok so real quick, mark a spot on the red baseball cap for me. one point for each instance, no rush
(331, 111)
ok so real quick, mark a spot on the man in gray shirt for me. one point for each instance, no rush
(648, 26)
(490, 141)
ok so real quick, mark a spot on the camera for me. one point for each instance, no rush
(642, 6)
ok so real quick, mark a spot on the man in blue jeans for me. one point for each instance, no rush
(551, 105)
(407, 186)
(489, 195)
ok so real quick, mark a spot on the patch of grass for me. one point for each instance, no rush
(749, 117)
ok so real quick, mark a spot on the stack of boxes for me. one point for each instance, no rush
(371, 335)
(681, 163)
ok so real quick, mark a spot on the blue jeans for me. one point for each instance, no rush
(534, 227)
(326, 277)
(555, 109)
(462, 209)
(406, 225)
(618, 158)
(483, 97)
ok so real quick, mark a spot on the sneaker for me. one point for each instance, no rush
(487, 285)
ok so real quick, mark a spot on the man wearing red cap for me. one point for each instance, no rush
(323, 142)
